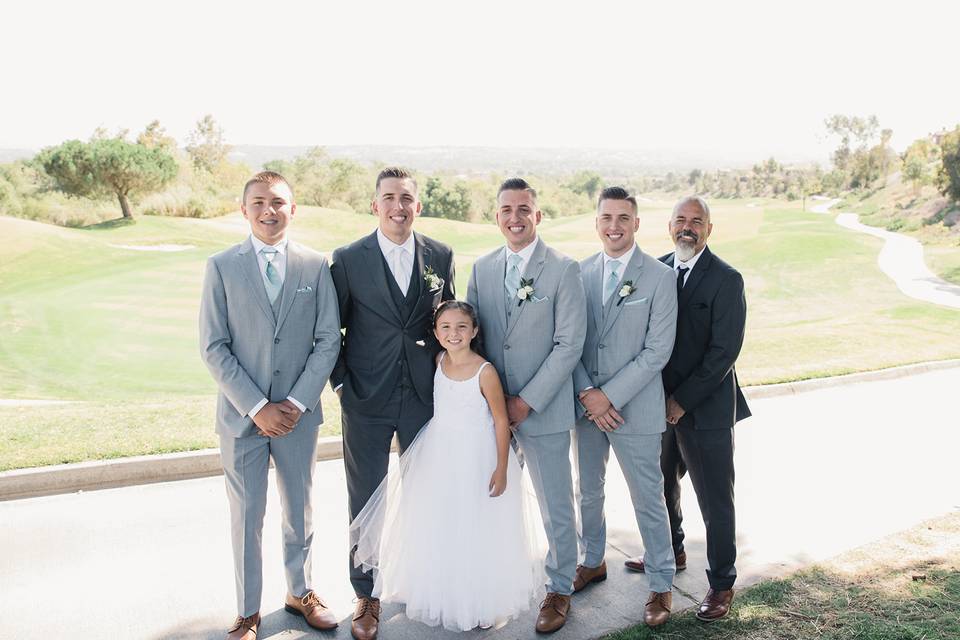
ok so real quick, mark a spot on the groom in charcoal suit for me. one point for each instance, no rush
(269, 334)
(704, 401)
(388, 284)
(631, 323)
(529, 299)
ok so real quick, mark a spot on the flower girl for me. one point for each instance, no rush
(452, 533)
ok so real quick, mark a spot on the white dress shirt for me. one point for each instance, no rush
(280, 264)
(686, 265)
(399, 258)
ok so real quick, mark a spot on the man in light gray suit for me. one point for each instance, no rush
(269, 334)
(530, 302)
(631, 304)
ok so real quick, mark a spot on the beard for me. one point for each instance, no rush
(686, 248)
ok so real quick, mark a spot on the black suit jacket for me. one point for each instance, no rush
(711, 319)
(376, 335)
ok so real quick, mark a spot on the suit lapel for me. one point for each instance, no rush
(291, 282)
(497, 277)
(614, 306)
(532, 272)
(250, 268)
(378, 275)
(593, 277)
(695, 277)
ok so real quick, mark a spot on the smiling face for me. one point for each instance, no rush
(454, 329)
(396, 205)
(268, 208)
(689, 228)
(617, 224)
(518, 217)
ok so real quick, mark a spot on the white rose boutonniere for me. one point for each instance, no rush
(434, 282)
(625, 290)
(525, 290)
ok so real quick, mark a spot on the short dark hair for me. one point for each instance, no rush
(467, 308)
(396, 172)
(517, 184)
(617, 193)
(266, 177)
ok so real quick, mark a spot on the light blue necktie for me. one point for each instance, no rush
(511, 283)
(272, 283)
(612, 280)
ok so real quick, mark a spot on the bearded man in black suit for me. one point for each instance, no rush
(704, 401)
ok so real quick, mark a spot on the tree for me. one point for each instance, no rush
(948, 176)
(108, 166)
(154, 136)
(441, 201)
(852, 129)
(206, 144)
(586, 182)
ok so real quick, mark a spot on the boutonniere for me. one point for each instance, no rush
(434, 282)
(525, 290)
(625, 290)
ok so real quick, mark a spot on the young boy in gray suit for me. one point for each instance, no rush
(269, 334)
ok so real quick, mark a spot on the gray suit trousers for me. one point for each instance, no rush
(639, 458)
(246, 462)
(547, 457)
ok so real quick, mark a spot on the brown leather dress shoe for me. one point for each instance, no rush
(636, 564)
(657, 609)
(715, 605)
(244, 628)
(587, 575)
(313, 610)
(366, 619)
(553, 612)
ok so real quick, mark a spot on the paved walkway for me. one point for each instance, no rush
(817, 473)
(901, 258)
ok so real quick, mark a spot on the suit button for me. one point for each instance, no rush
(593, 373)
(506, 347)
(276, 341)
(277, 372)
(602, 346)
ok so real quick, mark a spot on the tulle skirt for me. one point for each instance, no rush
(439, 543)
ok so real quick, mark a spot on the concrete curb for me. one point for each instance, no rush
(105, 474)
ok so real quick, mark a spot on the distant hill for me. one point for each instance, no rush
(612, 163)
(12, 155)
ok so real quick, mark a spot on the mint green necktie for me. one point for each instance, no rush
(612, 280)
(511, 283)
(272, 283)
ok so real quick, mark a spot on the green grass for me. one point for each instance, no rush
(83, 319)
(905, 587)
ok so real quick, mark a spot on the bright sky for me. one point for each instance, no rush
(706, 76)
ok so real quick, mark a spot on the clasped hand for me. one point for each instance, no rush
(600, 410)
(277, 419)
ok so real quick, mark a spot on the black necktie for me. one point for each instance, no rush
(681, 272)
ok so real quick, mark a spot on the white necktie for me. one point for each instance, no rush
(401, 267)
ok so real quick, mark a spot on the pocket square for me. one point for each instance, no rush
(420, 343)
(627, 304)
(543, 299)
(306, 289)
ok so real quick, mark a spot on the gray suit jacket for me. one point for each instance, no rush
(629, 343)
(253, 356)
(535, 352)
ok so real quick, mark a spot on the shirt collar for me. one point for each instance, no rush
(387, 245)
(259, 244)
(624, 259)
(689, 263)
(524, 253)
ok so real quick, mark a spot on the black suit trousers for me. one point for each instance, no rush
(366, 454)
(707, 454)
